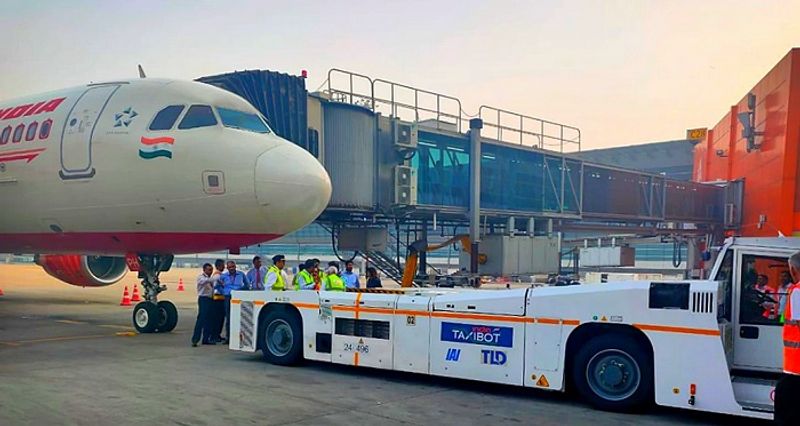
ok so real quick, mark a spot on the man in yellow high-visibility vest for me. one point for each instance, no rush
(276, 277)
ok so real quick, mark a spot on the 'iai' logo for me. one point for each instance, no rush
(156, 147)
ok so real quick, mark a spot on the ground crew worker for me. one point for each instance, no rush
(203, 324)
(787, 409)
(276, 276)
(333, 282)
(300, 268)
(305, 278)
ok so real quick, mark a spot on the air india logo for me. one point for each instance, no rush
(156, 147)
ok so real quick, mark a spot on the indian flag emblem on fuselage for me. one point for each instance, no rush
(156, 147)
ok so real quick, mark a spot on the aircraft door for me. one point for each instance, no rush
(79, 128)
(758, 323)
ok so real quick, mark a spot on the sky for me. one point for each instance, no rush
(624, 72)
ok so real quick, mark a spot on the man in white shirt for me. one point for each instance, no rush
(276, 275)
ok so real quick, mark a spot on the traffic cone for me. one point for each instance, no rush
(180, 284)
(135, 297)
(126, 298)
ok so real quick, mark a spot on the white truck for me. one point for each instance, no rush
(698, 345)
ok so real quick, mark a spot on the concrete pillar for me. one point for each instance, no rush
(475, 126)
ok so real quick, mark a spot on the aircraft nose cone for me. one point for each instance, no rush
(292, 186)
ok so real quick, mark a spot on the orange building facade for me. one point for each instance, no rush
(769, 170)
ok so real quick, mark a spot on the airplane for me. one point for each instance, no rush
(105, 177)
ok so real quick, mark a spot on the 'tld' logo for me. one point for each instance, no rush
(453, 354)
(494, 357)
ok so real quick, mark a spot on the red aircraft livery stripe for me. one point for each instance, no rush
(153, 141)
(24, 154)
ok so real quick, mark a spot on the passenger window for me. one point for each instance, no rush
(165, 119)
(5, 135)
(198, 116)
(44, 132)
(18, 131)
(31, 133)
(765, 282)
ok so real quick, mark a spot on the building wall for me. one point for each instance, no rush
(769, 172)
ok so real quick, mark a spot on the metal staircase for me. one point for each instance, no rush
(384, 263)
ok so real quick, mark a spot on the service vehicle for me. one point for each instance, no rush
(708, 345)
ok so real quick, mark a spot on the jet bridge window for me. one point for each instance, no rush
(165, 119)
(242, 120)
(198, 116)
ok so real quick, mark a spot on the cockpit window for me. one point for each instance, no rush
(165, 118)
(198, 116)
(242, 120)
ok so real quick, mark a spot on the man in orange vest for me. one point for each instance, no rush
(787, 391)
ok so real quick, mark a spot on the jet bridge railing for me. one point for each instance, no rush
(396, 100)
(512, 127)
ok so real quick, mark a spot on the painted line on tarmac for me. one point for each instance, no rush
(54, 339)
(65, 321)
(116, 327)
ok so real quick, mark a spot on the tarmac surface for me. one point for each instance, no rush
(68, 356)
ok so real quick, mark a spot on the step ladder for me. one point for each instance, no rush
(754, 394)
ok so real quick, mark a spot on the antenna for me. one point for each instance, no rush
(141, 72)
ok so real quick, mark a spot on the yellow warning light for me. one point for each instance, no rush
(542, 382)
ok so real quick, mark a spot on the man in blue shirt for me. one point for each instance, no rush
(257, 274)
(349, 277)
(231, 280)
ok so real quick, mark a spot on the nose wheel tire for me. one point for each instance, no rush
(146, 316)
(281, 337)
(168, 317)
(614, 373)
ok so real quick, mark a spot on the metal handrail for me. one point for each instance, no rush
(542, 135)
(547, 133)
(351, 94)
(416, 107)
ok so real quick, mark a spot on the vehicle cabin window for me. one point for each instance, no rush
(198, 116)
(242, 120)
(165, 119)
(725, 275)
(764, 282)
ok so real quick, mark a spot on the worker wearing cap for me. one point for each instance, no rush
(305, 278)
(787, 410)
(276, 277)
(333, 282)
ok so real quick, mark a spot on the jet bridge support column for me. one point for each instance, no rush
(475, 126)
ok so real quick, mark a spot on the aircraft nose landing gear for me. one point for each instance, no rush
(150, 315)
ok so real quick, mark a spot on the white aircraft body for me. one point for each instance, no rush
(106, 176)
